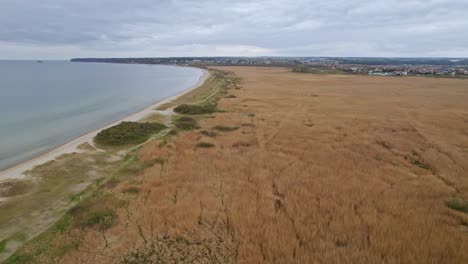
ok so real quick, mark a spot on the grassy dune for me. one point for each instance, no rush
(296, 168)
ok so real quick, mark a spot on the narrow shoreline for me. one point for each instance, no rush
(18, 171)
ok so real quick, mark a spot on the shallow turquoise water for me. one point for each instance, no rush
(43, 105)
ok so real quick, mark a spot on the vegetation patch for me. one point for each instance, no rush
(247, 125)
(241, 144)
(230, 96)
(420, 164)
(14, 188)
(3, 245)
(458, 204)
(98, 212)
(185, 123)
(131, 190)
(128, 133)
(225, 128)
(187, 109)
(208, 133)
(205, 145)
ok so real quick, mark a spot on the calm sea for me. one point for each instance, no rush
(43, 105)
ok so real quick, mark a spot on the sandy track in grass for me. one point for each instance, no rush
(17, 171)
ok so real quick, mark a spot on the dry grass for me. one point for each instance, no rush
(157, 118)
(325, 174)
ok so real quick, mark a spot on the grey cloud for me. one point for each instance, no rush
(70, 28)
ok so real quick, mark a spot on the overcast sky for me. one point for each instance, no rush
(61, 29)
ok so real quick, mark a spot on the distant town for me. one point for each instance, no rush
(437, 67)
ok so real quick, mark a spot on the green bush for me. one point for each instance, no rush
(195, 109)
(186, 123)
(225, 128)
(458, 205)
(208, 133)
(205, 145)
(3, 245)
(127, 133)
(103, 219)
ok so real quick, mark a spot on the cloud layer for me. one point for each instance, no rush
(122, 28)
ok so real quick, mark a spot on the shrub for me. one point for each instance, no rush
(205, 145)
(195, 109)
(208, 133)
(96, 212)
(458, 205)
(186, 123)
(131, 190)
(128, 133)
(103, 219)
(225, 128)
(420, 164)
(3, 245)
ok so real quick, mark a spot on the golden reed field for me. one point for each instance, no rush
(304, 169)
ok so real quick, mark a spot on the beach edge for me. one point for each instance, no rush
(17, 171)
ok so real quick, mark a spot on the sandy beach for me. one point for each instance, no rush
(18, 171)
